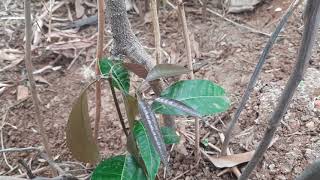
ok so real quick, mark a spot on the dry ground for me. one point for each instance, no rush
(229, 53)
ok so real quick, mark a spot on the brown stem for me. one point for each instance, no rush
(183, 19)
(101, 20)
(116, 103)
(28, 64)
(308, 40)
(156, 30)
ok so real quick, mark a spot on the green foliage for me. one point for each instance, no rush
(120, 76)
(169, 135)
(178, 105)
(148, 153)
(79, 135)
(122, 167)
(203, 96)
(146, 142)
(149, 121)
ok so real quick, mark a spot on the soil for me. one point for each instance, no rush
(229, 54)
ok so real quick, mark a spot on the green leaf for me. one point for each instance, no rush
(131, 106)
(179, 105)
(148, 153)
(165, 70)
(169, 135)
(149, 121)
(79, 135)
(122, 167)
(120, 76)
(203, 96)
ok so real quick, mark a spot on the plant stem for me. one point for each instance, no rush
(156, 30)
(28, 64)
(309, 35)
(183, 19)
(255, 76)
(116, 103)
(101, 20)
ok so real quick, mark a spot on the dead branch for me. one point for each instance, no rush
(309, 35)
(185, 31)
(250, 29)
(156, 30)
(20, 149)
(256, 73)
(28, 64)
(101, 20)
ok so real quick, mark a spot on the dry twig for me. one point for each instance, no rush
(190, 66)
(101, 20)
(33, 89)
(156, 30)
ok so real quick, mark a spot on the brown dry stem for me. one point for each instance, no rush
(101, 20)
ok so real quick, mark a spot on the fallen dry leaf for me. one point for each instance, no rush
(22, 92)
(231, 160)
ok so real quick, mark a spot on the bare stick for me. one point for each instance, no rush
(183, 19)
(101, 21)
(33, 89)
(250, 29)
(116, 103)
(156, 30)
(51, 2)
(255, 75)
(309, 36)
(20, 149)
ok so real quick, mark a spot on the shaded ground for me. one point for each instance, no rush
(230, 54)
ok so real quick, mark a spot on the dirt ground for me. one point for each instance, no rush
(228, 54)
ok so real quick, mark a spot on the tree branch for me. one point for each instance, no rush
(309, 35)
(126, 43)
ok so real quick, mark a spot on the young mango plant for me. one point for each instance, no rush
(146, 141)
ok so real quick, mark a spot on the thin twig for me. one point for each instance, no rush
(156, 30)
(25, 166)
(309, 35)
(21, 149)
(33, 89)
(190, 66)
(235, 23)
(116, 103)
(51, 2)
(101, 20)
(255, 75)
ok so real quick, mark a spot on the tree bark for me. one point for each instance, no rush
(126, 43)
